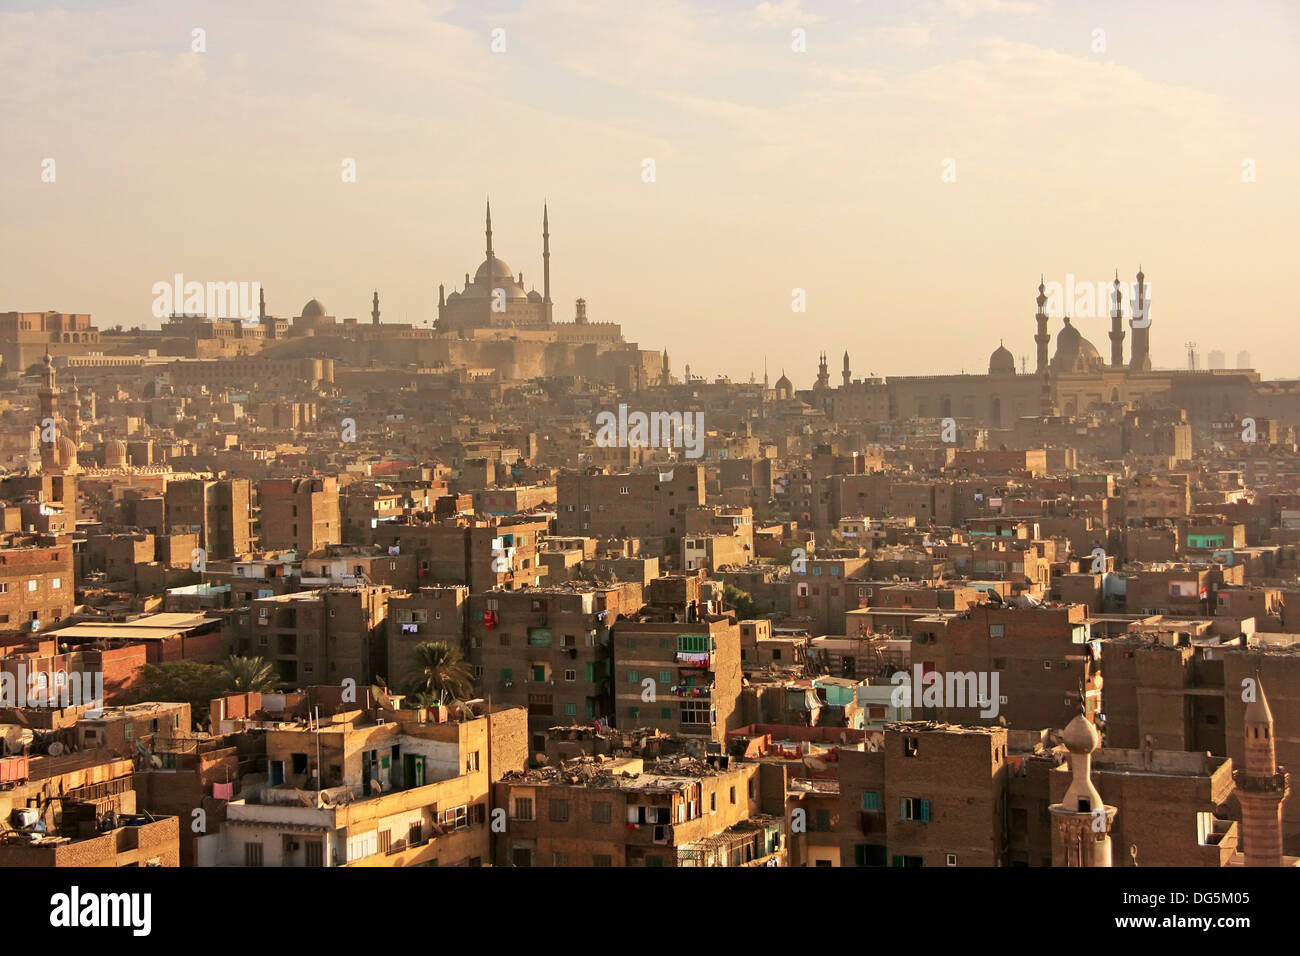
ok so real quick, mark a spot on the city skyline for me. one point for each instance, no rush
(770, 173)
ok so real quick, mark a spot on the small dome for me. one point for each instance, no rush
(534, 296)
(1080, 736)
(1002, 362)
(115, 453)
(783, 384)
(313, 310)
(67, 451)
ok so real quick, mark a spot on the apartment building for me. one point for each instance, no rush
(367, 788)
(933, 795)
(548, 649)
(299, 513)
(1041, 657)
(219, 512)
(37, 589)
(320, 636)
(649, 506)
(436, 613)
(680, 677)
(626, 811)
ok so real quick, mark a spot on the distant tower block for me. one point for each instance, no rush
(1081, 822)
(1262, 787)
(1216, 359)
(1243, 359)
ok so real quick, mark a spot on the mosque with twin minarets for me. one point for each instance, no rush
(1067, 381)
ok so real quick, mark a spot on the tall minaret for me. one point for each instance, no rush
(1262, 787)
(546, 264)
(374, 309)
(1042, 338)
(261, 305)
(491, 268)
(49, 403)
(1082, 821)
(1140, 360)
(1117, 325)
(846, 375)
(74, 423)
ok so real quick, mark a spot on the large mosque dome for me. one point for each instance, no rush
(1074, 353)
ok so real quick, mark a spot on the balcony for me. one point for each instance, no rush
(701, 659)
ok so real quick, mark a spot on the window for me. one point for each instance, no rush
(912, 808)
(252, 854)
(666, 713)
(385, 840)
(871, 801)
(632, 677)
(571, 710)
(455, 817)
(56, 583)
(868, 854)
(733, 795)
(601, 859)
(911, 747)
(31, 585)
(997, 630)
(570, 675)
(559, 811)
(601, 812)
(665, 677)
(696, 712)
(523, 808)
(471, 762)
(559, 859)
(506, 673)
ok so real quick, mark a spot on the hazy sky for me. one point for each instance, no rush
(775, 169)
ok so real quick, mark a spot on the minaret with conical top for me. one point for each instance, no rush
(846, 375)
(1117, 325)
(1262, 786)
(1140, 359)
(546, 264)
(261, 305)
(823, 372)
(1082, 822)
(374, 309)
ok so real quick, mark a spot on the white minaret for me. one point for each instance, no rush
(1082, 820)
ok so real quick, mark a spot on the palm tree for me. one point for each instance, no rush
(444, 673)
(249, 674)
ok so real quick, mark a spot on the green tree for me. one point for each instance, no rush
(186, 682)
(733, 596)
(249, 674)
(443, 672)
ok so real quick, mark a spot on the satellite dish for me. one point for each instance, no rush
(55, 749)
